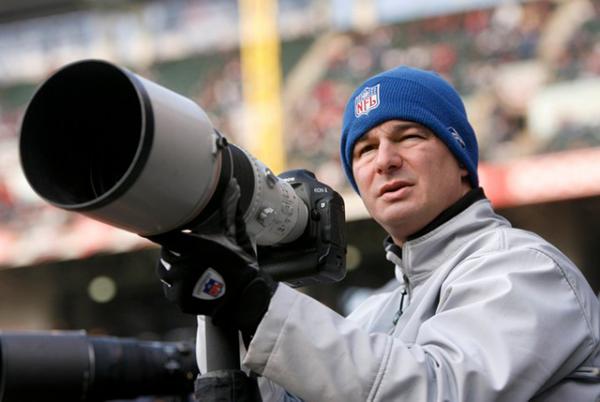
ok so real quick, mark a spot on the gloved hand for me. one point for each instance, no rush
(214, 272)
(207, 278)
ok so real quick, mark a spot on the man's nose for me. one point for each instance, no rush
(388, 158)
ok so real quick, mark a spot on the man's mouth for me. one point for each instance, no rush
(393, 186)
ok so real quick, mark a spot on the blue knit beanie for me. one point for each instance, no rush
(406, 93)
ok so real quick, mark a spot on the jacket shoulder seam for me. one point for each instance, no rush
(564, 276)
(573, 291)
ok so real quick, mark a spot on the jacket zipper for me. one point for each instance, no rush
(401, 306)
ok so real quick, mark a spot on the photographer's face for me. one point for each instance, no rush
(406, 176)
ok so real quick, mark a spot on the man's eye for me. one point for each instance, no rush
(412, 136)
(420, 133)
(365, 149)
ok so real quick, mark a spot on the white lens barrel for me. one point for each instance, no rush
(102, 141)
(165, 177)
(276, 214)
(180, 174)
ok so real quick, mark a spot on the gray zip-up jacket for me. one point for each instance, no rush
(482, 312)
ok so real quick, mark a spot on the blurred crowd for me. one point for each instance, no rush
(484, 53)
(498, 58)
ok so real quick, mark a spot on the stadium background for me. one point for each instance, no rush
(529, 72)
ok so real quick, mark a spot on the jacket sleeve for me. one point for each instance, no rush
(317, 355)
(500, 333)
(270, 391)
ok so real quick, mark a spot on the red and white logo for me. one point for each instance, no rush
(366, 100)
(210, 286)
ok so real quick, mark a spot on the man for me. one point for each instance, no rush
(481, 312)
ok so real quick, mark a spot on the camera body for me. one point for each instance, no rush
(319, 255)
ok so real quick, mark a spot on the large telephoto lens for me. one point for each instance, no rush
(71, 366)
(100, 140)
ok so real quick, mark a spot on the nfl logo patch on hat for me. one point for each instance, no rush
(366, 100)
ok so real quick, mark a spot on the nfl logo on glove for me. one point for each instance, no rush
(210, 286)
(366, 100)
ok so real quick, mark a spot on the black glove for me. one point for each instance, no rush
(206, 278)
(214, 272)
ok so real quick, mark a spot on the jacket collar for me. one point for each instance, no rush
(463, 203)
(453, 210)
(419, 256)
